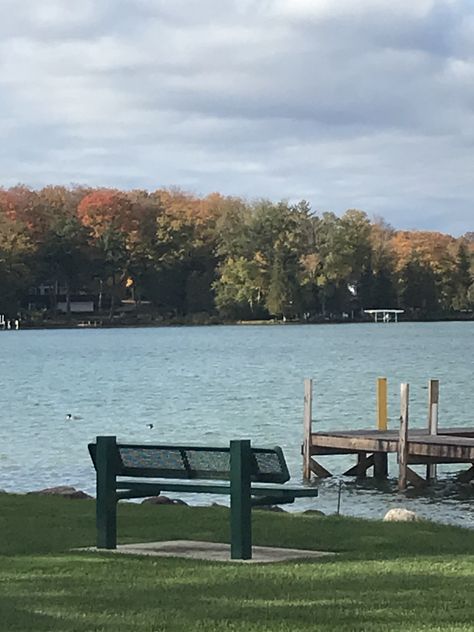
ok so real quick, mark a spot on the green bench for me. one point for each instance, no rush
(239, 470)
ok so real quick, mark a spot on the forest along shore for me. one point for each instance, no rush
(172, 257)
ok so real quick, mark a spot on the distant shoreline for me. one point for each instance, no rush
(96, 323)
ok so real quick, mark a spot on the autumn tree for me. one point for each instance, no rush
(142, 244)
(418, 285)
(186, 258)
(280, 291)
(334, 272)
(463, 278)
(238, 289)
(280, 241)
(64, 256)
(383, 265)
(15, 265)
(107, 213)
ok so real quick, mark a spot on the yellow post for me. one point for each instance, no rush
(382, 403)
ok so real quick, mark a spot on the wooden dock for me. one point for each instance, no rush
(431, 446)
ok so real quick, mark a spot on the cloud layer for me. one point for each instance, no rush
(366, 104)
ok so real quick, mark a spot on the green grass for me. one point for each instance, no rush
(386, 576)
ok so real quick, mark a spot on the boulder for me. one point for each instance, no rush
(399, 514)
(314, 512)
(163, 500)
(62, 490)
(274, 508)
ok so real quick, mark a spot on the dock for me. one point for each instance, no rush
(431, 446)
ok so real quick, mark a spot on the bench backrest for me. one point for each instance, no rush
(268, 465)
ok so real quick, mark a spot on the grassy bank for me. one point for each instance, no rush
(386, 576)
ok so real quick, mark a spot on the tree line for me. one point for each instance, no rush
(177, 255)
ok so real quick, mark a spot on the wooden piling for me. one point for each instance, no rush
(361, 465)
(307, 427)
(381, 458)
(382, 403)
(433, 407)
(380, 464)
(403, 438)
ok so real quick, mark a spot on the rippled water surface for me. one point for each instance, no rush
(210, 384)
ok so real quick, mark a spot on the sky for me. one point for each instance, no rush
(363, 104)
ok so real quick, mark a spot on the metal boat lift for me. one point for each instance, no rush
(387, 315)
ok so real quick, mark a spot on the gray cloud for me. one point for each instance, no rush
(347, 104)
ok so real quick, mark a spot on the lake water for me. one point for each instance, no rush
(206, 385)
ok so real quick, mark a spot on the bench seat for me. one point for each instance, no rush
(133, 489)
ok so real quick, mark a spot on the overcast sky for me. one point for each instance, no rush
(349, 104)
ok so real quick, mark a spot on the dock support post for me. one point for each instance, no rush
(380, 464)
(403, 438)
(433, 406)
(307, 427)
(382, 403)
(361, 464)
(380, 458)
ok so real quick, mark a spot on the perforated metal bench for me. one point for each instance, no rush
(240, 468)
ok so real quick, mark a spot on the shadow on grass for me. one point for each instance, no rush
(167, 594)
(16, 616)
(387, 576)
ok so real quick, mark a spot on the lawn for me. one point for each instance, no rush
(386, 576)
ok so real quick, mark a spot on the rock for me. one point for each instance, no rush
(399, 514)
(62, 490)
(314, 512)
(163, 500)
(275, 508)
(219, 506)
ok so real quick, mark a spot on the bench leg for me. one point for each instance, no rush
(240, 507)
(106, 503)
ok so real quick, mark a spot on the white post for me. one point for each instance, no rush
(403, 438)
(307, 427)
(433, 408)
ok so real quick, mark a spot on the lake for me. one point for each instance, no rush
(206, 385)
